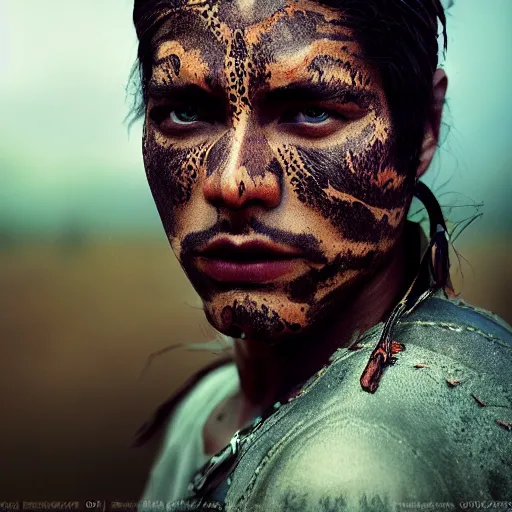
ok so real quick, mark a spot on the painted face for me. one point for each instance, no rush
(263, 123)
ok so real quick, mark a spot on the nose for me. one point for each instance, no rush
(241, 170)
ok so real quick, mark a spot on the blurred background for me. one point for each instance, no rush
(89, 287)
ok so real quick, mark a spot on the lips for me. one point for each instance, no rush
(246, 251)
(252, 261)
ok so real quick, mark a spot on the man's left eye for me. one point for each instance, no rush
(313, 115)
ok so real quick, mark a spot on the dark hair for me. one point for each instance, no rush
(398, 37)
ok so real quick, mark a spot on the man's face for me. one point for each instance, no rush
(263, 124)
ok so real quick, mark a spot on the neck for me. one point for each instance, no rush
(269, 372)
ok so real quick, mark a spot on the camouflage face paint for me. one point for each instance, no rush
(232, 145)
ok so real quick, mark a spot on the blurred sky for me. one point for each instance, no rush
(67, 160)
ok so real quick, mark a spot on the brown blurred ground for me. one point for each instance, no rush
(76, 327)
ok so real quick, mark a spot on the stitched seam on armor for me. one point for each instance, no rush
(488, 315)
(458, 328)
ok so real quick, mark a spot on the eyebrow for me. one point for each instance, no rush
(296, 92)
(321, 91)
(185, 91)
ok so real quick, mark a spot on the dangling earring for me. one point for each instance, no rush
(439, 262)
(434, 269)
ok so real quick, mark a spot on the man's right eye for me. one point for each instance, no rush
(176, 116)
(184, 115)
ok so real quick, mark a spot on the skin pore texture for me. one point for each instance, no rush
(263, 123)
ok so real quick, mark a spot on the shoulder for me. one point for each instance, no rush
(431, 432)
(347, 465)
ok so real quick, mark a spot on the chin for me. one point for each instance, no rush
(259, 318)
(270, 316)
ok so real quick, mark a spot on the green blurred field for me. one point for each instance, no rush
(77, 323)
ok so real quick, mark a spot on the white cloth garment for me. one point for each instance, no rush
(182, 451)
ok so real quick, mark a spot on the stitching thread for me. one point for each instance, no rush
(458, 328)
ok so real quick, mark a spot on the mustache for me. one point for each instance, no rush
(305, 243)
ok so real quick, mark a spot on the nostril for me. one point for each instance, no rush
(243, 204)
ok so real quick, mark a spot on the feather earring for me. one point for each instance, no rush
(434, 269)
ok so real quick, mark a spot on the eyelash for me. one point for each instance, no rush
(297, 112)
(163, 113)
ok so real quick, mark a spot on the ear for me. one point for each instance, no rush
(432, 128)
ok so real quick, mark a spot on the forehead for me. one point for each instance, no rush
(268, 43)
(259, 15)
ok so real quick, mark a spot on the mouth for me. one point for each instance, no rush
(250, 262)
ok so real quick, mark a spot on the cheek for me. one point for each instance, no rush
(340, 270)
(172, 174)
(354, 185)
